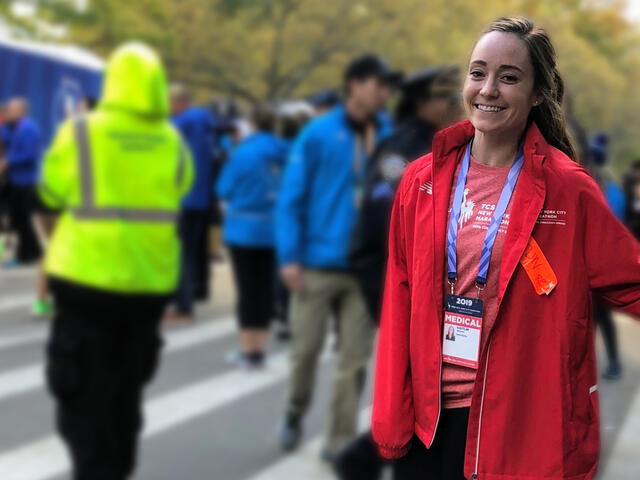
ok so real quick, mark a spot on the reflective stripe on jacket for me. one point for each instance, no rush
(118, 175)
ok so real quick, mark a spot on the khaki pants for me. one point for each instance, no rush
(310, 314)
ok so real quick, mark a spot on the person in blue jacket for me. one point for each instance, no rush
(22, 156)
(316, 212)
(248, 187)
(197, 128)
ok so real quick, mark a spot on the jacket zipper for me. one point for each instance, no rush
(435, 430)
(484, 383)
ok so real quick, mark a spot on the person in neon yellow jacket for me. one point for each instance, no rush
(118, 175)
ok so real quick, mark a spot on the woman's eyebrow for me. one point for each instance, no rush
(510, 67)
(502, 67)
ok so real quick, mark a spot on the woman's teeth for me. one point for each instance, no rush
(488, 108)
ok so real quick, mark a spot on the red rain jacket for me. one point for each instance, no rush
(534, 411)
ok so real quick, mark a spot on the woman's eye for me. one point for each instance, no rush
(510, 78)
(475, 73)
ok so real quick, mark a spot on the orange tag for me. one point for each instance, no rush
(538, 269)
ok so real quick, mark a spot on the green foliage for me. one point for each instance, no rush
(258, 50)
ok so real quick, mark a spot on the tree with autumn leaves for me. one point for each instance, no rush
(256, 50)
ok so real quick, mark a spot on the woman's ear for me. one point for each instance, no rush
(537, 99)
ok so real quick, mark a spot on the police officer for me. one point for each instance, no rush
(430, 101)
(118, 175)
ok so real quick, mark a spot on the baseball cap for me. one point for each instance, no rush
(371, 66)
(433, 82)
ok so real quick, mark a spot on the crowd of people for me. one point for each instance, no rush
(303, 193)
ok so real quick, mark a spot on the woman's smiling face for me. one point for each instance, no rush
(499, 88)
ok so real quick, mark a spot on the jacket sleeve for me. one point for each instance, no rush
(393, 414)
(612, 254)
(59, 169)
(25, 147)
(292, 200)
(188, 175)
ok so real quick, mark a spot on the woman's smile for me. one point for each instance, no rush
(489, 108)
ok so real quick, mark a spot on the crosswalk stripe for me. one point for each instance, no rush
(624, 456)
(306, 463)
(15, 302)
(24, 379)
(20, 272)
(25, 338)
(162, 413)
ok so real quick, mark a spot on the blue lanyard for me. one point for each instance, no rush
(496, 219)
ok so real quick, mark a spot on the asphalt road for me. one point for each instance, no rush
(206, 420)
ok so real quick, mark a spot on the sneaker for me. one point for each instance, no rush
(290, 432)
(283, 333)
(42, 308)
(328, 456)
(237, 358)
(256, 360)
(178, 318)
(613, 371)
(11, 263)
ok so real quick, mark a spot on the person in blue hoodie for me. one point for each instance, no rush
(248, 187)
(317, 209)
(22, 157)
(196, 125)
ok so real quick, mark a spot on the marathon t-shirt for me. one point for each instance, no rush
(482, 191)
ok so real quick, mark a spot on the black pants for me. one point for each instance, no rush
(194, 265)
(21, 204)
(102, 350)
(604, 320)
(253, 270)
(445, 459)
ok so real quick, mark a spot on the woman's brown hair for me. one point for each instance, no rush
(548, 115)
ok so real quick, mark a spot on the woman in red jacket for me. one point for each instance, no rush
(500, 235)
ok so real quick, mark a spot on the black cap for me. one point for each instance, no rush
(371, 66)
(433, 82)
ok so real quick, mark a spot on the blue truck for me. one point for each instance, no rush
(53, 78)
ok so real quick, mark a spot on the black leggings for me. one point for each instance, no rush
(445, 459)
(604, 320)
(21, 203)
(254, 272)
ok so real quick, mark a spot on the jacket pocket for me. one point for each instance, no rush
(63, 371)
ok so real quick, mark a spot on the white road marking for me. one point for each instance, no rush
(23, 338)
(305, 463)
(624, 456)
(20, 272)
(31, 377)
(15, 302)
(47, 457)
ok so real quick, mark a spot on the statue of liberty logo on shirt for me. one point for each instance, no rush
(466, 210)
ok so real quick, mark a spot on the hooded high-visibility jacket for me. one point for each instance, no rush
(534, 411)
(119, 174)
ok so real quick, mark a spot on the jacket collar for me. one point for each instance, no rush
(528, 199)
(457, 136)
